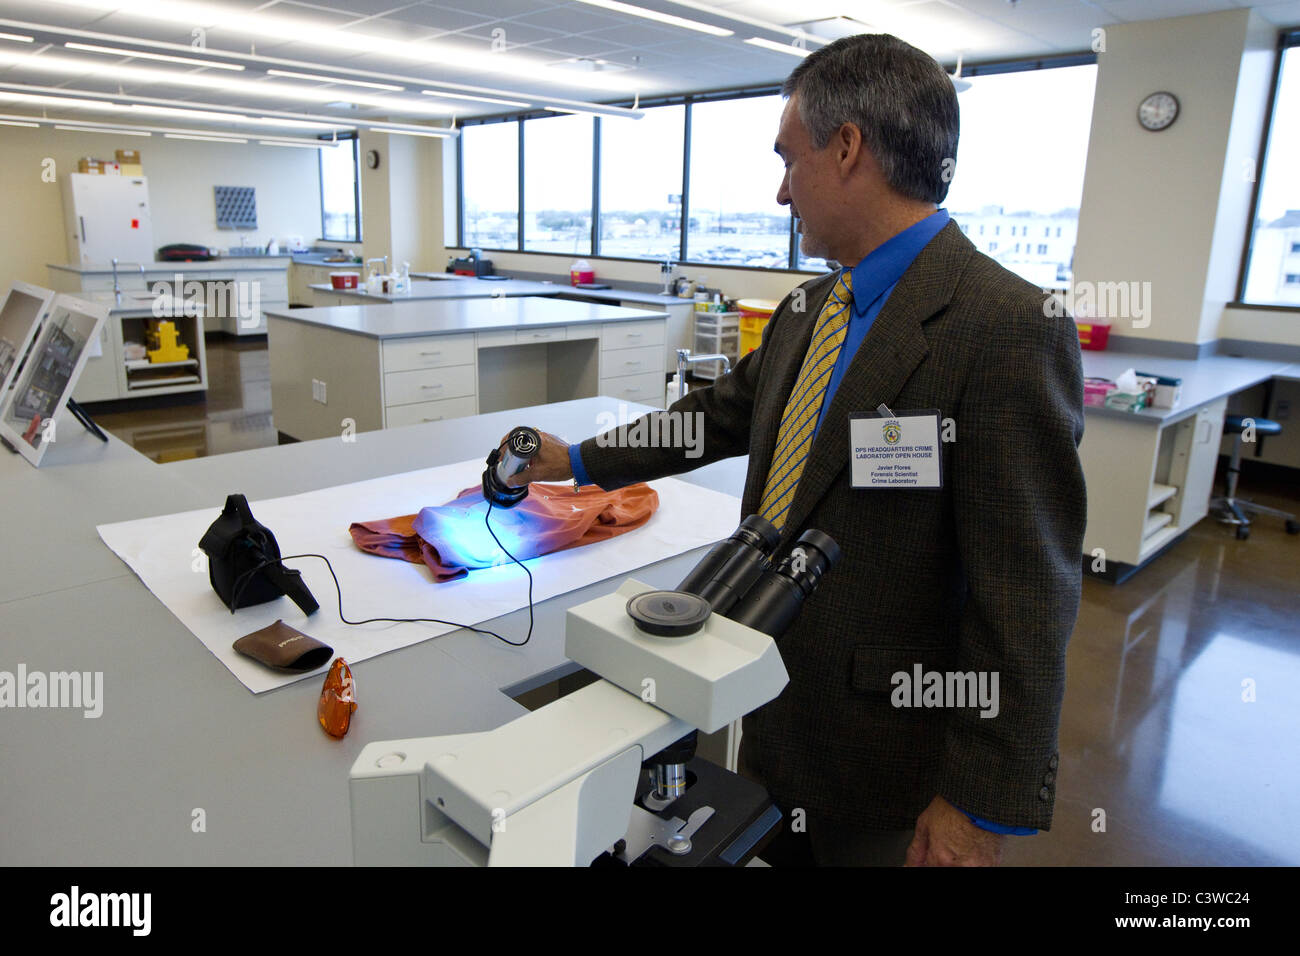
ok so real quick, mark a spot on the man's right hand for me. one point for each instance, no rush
(549, 464)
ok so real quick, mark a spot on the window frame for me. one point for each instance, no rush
(688, 100)
(1287, 38)
(356, 185)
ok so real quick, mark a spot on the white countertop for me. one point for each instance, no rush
(563, 288)
(232, 264)
(449, 316)
(1204, 380)
(462, 287)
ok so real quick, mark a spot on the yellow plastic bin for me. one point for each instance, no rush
(754, 314)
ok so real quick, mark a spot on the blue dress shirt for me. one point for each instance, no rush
(874, 279)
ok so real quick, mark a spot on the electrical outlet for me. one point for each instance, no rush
(318, 390)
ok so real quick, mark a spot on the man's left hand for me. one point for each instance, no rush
(946, 837)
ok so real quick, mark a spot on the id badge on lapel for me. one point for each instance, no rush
(898, 450)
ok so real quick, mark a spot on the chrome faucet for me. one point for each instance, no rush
(669, 264)
(685, 358)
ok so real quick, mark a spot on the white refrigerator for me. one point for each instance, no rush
(107, 218)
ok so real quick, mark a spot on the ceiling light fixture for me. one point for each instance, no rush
(334, 79)
(102, 129)
(262, 61)
(92, 126)
(259, 25)
(741, 18)
(409, 132)
(167, 57)
(17, 38)
(479, 99)
(205, 139)
(618, 7)
(613, 111)
(280, 142)
(778, 47)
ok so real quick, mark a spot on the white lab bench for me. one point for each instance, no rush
(1150, 473)
(178, 732)
(262, 279)
(679, 331)
(111, 376)
(387, 365)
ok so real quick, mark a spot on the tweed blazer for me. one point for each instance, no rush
(982, 575)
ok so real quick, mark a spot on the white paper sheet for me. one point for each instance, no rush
(164, 552)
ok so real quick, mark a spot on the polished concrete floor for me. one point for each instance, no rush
(1180, 732)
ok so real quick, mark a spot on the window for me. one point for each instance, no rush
(1293, 278)
(1276, 224)
(557, 184)
(734, 175)
(1042, 248)
(1009, 174)
(340, 192)
(641, 184)
(490, 186)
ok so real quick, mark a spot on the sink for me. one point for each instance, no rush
(244, 252)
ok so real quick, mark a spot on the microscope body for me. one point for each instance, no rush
(556, 786)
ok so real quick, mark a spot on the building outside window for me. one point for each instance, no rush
(641, 184)
(490, 177)
(340, 193)
(1275, 236)
(1010, 173)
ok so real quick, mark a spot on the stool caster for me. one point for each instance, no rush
(1292, 526)
(1243, 532)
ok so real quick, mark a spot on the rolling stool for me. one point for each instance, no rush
(1232, 511)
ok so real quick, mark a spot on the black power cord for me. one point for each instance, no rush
(246, 576)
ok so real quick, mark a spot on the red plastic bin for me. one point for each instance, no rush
(1093, 335)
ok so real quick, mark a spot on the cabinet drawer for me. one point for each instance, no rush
(589, 331)
(435, 351)
(426, 385)
(629, 335)
(488, 340)
(531, 336)
(647, 389)
(429, 412)
(616, 362)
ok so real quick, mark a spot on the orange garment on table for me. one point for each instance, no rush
(452, 539)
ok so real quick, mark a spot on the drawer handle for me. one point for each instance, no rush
(634, 335)
(632, 363)
(632, 388)
(431, 353)
(541, 335)
(439, 385)
(438, 419)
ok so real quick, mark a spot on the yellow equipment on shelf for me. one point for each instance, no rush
(163, 347)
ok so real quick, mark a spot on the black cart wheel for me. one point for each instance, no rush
(1243, 532)
(1292, 526)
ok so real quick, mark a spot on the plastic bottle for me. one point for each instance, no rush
(674, 389)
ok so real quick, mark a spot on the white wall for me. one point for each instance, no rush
(181, 176)
(1171, 208)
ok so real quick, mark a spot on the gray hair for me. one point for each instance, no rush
(898, 96)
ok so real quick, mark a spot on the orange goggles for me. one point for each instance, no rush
(338, 699)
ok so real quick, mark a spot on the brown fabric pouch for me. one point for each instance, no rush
(284, 648)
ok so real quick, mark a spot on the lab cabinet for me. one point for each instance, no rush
(1148, 482)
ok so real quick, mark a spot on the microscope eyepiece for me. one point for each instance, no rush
(773, 603)
(732, 566)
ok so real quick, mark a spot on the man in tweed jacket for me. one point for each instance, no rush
(980, 575)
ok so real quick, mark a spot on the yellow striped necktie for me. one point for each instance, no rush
(794, 437)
